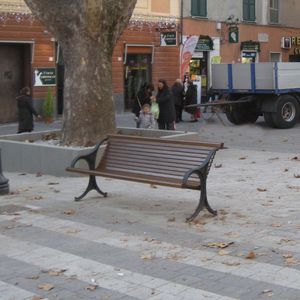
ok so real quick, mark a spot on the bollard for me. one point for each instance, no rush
(4, 187)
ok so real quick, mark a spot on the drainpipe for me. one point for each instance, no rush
(181, 21)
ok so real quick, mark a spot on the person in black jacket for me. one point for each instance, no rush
(190, 97)
(177, 92)
(26, 111)
(166, 105)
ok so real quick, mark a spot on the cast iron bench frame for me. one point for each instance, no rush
(121, 147)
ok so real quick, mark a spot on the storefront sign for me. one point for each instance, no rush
(250, 46)
(168, 38)
(44, 76)
(205, 43)
(233, 34)
(290, 42)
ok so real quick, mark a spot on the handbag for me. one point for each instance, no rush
(155, 110)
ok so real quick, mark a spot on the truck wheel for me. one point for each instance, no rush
(230, 115)
(269, 119)
(287, 112)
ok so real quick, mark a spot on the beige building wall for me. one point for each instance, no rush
(289, 13)
(158, 8)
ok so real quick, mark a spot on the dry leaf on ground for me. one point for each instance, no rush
(46, 287)
(223, 252)
(231, 263)
(69, 212)
(219, 245)
(53, 183)
(73, 231)
(287, 255)
(250, 255)
(171, 219)
(147, 256)
(243, 157)
(218, 165)
(153, 186)
(91, 287)
(58, 272)
(297, 175)
(273, 158)
(262, 189)
(291, 261)
(296, 158)
(293, 187)
(34, 277)
(38, 197)
(276, 225)
(37, 298)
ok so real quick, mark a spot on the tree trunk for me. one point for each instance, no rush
(87, 31)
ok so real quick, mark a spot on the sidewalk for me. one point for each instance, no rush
(134, 244)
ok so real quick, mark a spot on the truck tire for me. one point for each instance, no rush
(269, 119)
(287, 112)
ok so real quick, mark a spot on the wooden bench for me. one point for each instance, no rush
(158, 161)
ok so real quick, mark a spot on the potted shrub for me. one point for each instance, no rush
(48, 107)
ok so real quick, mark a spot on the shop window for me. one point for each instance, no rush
(274, 11)
(249, 10)
(199, 8)
(275, 57)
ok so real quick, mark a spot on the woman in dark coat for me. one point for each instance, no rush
(190, 98)
(177, 92)
(26, 111)
(166, 105)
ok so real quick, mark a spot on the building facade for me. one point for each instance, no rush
(242, 31)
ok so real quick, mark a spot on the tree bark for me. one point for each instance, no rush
(87, 31)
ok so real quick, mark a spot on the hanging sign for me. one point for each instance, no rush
(205, 43)
(233, 34)
(250, 46)
(44, 76)
(168, 38)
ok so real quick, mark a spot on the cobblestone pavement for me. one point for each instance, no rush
(134, 244)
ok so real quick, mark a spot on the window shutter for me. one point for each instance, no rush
(249, 10)
(199, 8)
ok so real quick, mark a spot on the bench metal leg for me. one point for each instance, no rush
(92, 185)
(203, 202)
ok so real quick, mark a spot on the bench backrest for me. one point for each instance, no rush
(154, 157)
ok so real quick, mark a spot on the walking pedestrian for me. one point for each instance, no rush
(190, 97)
(177, 93)
(166, 105)
(25, 111)
(142, 97)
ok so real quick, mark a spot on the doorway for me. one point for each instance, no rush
(294, 58)
(14, 74)
(137, 71)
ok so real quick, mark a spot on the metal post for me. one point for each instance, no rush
(4, 186)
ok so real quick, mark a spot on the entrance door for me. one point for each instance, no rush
(137, 71)
(14, 62)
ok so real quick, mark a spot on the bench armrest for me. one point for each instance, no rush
(203, 169)
(90, 157)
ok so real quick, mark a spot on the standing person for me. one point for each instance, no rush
(190, 98)
(167, 113)
(146, 118)
(177, 92)
(142, 97)
(26, 111)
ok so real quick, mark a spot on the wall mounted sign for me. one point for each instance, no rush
(250, 46)
(44, 76)
(168, 38)
(233, 32)
(205, 43)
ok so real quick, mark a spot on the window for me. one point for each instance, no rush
(274, 11)
(275, 57)
(199, 8)
(249, 10)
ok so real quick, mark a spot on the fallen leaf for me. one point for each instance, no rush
(293, 187)
(295, 158)
(153, 186)
(148, 256)
(262, 189)
(37, 298)
(36, 197)
(219, 245)
(285, 170)
(273, 158)
(276, 225)
(223, 252)
(124, 239)
(297, 175)
(46, 287)
(70, 212)
(58, 272)
(35, 277)
(172, 219)
(149, 239)
(39, 174)
(218, 165)
(287, 255)
(250, 255)
(91, 287)
(291, 261)
(269, 293)
(243, 157)
(53, 183)
(231, 263)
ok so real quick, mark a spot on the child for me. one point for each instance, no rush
(146, 118)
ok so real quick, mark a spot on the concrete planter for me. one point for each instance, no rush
(19, 155)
